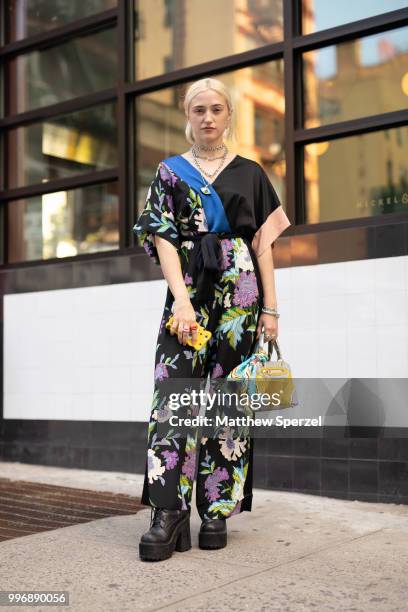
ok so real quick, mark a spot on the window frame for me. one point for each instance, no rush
(124, 18)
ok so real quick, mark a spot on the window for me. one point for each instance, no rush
(337, 106)
(177, 35)
(321, 14)
(364, 77)
(81, 66)
(354, 177)
(28, 18)
(63, 146)
(64, 224)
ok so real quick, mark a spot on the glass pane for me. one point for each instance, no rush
(171, 35)
(321, 14)
(359, 176)
(364, 77)
(62, 146)
(76, 68)
(28, 18)
(64, 223)
(258, 120)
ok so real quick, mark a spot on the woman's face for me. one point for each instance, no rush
(209, 116)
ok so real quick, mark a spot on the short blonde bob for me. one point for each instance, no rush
(198, 87)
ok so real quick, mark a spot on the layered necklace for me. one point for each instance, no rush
(195, 150)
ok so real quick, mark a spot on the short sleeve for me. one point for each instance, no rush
(270, 217)
(158, 215)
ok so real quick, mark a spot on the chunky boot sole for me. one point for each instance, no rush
(212, 540)
(158, 551)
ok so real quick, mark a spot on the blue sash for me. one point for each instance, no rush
(213, 208)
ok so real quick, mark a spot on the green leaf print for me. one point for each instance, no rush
(152, 426)
(225, 506)
(232, 324)
(204, 316)
(195, 199)
(218, 294)
(230, 275)
(184, 482)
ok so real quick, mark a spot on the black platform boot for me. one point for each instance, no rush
(213, 533)
(169, 531)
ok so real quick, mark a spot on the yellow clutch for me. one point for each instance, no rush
(203, 335)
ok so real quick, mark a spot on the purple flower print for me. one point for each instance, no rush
(171, 180)
(167, 176)
(217, 371)
(170, 458)
(212, 483)
(246, 290)
(170, 204)
(189, 464)
(148, 248)
(226, 247)
(163, 415)
(161, 372)
(187, 279)
(162, 322)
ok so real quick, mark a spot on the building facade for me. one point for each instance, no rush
(91, 102)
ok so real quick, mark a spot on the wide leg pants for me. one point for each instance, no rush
(222, 465)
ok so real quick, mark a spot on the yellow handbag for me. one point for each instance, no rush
(260, 374)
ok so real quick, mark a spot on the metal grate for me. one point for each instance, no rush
(30, 507)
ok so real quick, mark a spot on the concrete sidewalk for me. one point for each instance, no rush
(293, 552)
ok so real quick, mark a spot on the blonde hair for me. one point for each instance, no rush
(198, 87)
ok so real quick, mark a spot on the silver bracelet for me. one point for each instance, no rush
(271, 311)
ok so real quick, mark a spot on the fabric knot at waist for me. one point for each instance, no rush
(209, 260)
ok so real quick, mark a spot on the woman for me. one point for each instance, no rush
(210, 220)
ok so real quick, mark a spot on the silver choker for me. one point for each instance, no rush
(209, 147)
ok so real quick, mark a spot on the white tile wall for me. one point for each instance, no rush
(347, 319)
(88, 353)
(82, 354)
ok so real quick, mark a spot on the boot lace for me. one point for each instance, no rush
(156, 517)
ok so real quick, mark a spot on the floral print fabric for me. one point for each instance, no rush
(222, 465)
(222, 462)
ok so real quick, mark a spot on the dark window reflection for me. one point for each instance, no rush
(64, 224)
(173, 34)
(359, 176)
(258, 118)
(364, 77)
(28, 18)
(78, 67)
(62, 146)
(322, 14)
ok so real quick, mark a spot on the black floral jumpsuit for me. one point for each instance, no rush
(218, 236)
